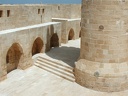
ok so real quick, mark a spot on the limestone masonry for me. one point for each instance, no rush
(26, 30)
(103, 63)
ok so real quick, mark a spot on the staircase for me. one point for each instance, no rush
(56, 67)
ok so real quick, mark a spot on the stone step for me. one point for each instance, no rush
(56, 69)
(59, 73)
(56, 62)
(59, 66)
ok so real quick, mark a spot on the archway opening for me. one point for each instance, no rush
(54, 41)
(13, 57)
(80, 34)
(37, 46)
(71, 34)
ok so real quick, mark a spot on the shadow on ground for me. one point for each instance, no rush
(66, 54)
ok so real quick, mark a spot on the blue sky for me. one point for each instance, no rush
(39, 1)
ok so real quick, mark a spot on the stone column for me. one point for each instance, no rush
(103, 63)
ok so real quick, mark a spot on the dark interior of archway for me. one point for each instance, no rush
(13, 56)
(54, 41)
(71, 34)
(37, 46)
(80, 34)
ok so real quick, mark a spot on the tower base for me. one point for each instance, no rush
(105, 77)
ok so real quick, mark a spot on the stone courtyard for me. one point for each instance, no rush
(36, 81)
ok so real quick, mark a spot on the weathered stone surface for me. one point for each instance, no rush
(31, 14)
(66, 26)
(23, 40)
(103, 63)
(28, 29)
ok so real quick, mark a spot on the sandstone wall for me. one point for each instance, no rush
(104, 45)
(14, 16)
(66, 26)
(69, 11)
(25, 37)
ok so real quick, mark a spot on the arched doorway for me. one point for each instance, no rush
(54, 41)
(37, 46)
(80, 34)
(13, 57)
(71, 34)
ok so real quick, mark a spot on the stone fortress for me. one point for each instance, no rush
(30, 29)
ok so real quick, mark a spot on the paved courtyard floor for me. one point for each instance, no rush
(35, 81)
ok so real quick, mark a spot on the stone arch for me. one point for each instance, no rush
(71, 34)
(54, 41)
(37, 46)
(13, 57)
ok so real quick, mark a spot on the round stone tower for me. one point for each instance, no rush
(103, 63)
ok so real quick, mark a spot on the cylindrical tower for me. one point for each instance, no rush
(103, 63)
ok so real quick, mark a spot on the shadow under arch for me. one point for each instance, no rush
(13, 57)
(37, 46)
(71, 34)
(54, 41)
(80, 34)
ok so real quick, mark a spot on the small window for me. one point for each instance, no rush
(1, 13)
(38, 11)
(42, 10)
(58, 7)
(8, 13)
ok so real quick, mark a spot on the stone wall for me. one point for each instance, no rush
(26, 27)
(14, 16)
(66, 26)
(103, 63)
(23, 15)
(25, 37)
(69, 11)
